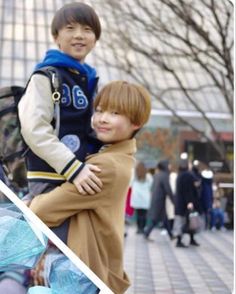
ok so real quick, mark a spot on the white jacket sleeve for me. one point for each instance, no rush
(36, 112)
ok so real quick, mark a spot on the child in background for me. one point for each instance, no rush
(217, 216)
(96, 230)
(141, 195)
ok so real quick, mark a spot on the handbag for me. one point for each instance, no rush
(194, 221)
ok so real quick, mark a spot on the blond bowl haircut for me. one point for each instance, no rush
(128, 99)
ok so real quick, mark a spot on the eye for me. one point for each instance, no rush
(69, 26)
(114, 112)
(87, 28)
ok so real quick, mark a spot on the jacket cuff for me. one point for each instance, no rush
(72, 169)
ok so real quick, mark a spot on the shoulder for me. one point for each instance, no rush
(39, 84)
(189, 175)
(113, 165)
(105, 162)
(39, 78)
(111, 160)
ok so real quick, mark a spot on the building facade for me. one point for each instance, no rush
(139, 44)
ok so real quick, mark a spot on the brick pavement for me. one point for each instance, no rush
(160, 268)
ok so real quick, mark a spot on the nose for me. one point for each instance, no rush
(104, 116)
(79, 33)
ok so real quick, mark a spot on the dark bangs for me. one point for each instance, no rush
(76, 13)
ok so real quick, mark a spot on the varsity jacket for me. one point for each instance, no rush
(50, 158)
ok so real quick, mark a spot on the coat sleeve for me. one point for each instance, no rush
(64, 201)
(189, 189)
(61, 203)
(36, 112)
(167, 188)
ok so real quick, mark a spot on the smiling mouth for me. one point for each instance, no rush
(102, 130)
(78, 45)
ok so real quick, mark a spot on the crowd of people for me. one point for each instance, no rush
(179, 198)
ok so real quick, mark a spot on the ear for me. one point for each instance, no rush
(136, 127)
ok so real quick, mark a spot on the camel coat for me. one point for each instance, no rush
(97, 221)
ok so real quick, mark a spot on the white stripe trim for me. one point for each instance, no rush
(46, 177)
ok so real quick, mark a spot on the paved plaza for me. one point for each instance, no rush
(159, 267)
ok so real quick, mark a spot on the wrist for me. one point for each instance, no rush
(72, 169)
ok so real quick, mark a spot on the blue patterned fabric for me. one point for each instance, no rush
(20, 245)
(65, 277)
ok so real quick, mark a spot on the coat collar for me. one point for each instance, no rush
(127, 146)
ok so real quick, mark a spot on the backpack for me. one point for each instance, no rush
(12, 145)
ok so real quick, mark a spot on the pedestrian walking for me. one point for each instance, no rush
(160, 189)
(141, 195)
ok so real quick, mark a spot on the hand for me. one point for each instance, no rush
(38, 273)
(190, 206)
(87, 182)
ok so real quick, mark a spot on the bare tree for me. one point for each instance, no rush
(158, 34)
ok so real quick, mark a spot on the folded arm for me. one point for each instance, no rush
(64, 201)
(61, 203)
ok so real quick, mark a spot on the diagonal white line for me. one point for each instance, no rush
(53, 237)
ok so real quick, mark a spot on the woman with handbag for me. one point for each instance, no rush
(186, 201)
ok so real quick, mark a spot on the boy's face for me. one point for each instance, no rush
(76, 40)
(112, 127)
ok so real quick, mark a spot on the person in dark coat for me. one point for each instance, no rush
(206, 196)
(186, 200)
(160, 189)
(197, 175)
